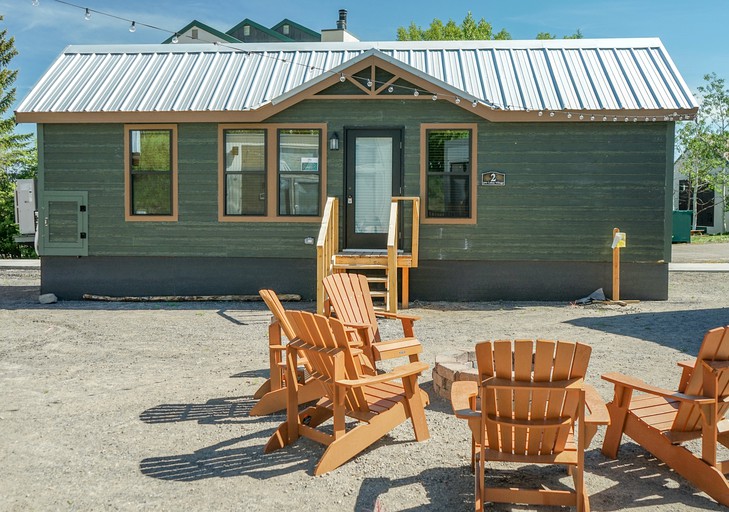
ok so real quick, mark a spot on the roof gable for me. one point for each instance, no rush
(238, 29)
(206, 28)
(286, 21)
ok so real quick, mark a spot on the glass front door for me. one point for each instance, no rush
(374, 175)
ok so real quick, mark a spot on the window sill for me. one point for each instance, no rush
(151, 218)
(279, 220)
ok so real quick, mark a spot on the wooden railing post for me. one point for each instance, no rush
(392, 259)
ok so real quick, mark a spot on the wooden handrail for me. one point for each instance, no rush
(327, 245)
(392, 259)
(415, 227)
(392, 236)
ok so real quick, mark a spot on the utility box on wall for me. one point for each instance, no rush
(682, 226)
(25, 206)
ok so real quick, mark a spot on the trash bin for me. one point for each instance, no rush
(681, 226)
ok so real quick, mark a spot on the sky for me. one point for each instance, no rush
(694, 33)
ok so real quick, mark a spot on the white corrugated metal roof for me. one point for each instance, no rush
(587, 75)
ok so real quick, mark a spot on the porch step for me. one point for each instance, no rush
(359, 266)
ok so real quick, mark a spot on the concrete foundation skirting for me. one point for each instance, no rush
(72, 277)
(534, 280)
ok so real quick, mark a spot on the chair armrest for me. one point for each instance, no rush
(396, 348)
(463, 394)
(362, 338)
(396, 373)
(687, 364)
(397, 316)
(354, 326)
(718, 367)
(639, 385)
(599, 414)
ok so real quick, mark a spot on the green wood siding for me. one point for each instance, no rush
(567, 186)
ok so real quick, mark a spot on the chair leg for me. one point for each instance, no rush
(581, 497)
(618, 410)
(480, 483)
(414, 407)
(311, 416)
(473, 454)
(275, 401)
(265, 388)
(359, 438)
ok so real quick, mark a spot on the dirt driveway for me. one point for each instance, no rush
(144, 407)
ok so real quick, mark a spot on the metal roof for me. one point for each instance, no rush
(630, 75)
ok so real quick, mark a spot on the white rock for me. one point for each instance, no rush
(48, 298)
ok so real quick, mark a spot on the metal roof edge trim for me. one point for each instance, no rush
(366, 45)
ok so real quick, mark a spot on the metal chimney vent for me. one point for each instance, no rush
(342, 23)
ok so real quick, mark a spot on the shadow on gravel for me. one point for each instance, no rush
(476, 306)
(444, 488)
(641, 480)
(682, 330)
(638, 481)
(262, 372)
(214, 411)
(222, 460)
(18, 294)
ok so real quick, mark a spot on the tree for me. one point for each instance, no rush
(451, 31)
(17, 159)
(704, 146)
(547, 35)
(469, 29)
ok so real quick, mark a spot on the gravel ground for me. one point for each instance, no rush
(145, 406)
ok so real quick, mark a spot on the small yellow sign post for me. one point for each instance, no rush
(619, 240)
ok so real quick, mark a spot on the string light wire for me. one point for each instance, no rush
(133, 24)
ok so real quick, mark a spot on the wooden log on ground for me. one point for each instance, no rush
(187, 298)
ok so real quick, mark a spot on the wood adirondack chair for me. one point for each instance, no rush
(378, 402)
(660, 420)
(351, 301)
(533, 400)
(272, 393)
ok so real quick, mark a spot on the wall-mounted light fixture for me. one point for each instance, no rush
(334, 141)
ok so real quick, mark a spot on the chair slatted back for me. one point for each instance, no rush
(715, 347)
(278, 311)
(349, 295)
(323, 341)
(530, 420)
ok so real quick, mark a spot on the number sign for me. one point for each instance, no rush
(493, 178)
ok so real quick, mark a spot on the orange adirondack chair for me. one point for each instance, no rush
(533, 400)
(350, 298)
(378, 402)
(272, 393)
(660, 420)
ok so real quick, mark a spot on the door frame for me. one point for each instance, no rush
(352, 240)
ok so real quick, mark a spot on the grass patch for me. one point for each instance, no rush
(710, 239)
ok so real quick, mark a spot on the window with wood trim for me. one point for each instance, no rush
(245, 172)
(449, 174)
(271, 172)
(299, 172)
(151, 173)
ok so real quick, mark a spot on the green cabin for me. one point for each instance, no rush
(205, 169)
